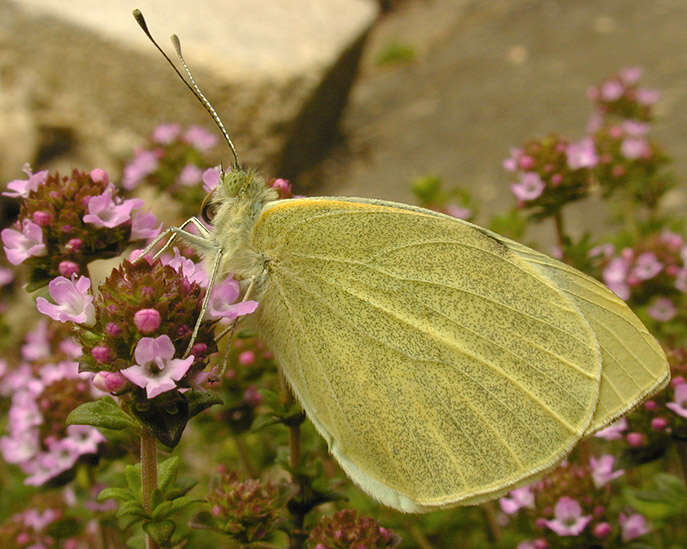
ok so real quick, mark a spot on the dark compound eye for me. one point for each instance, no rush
(207, 208)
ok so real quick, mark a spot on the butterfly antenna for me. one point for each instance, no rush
(193, 86)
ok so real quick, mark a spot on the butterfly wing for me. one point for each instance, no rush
(440, 366)
(634, 365)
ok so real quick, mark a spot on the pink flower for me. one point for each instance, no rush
(222, 302)
(458, 212)
(61, 457)
(659, 423)
(246, 358)
(6, 276)
(210, 179)
(518, 498)
(612, 90)
(635, 439)
(530, 187)
(20, 447)
(634, 147)
(601, 530)
(147, 320)
(679, 404)
(602, 470)
(156, 370)
(631, 75)
(144, 226)
(582, 154)
(166, 133)
(37, 345)
(647, 97)
(144, 163)
(200, 138)
(103, 211)
(634, 128)
(83, 439)
(647, 266)
(282, 185)
(633, 526)
(20, 188)
(614, 431)
(19, 246)
(190, 175)
(99, 176)
(73, 303)
(568, 519)
(615, 276)
(193, 272)
(68, 268)
(662, 309)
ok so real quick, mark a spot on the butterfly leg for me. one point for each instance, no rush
(179, 231)
(219, 252)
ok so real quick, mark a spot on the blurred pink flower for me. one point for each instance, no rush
(615, 276)
(200, 138)
(164, 134)
(662, 309)
(647, 266)
(602, 470)
(156, 369)
(144, 163)
(582, 154)
(630, 75)
(634, 147)
(190, 175)
(614, 431)
(19, 246)
(647, 97)
(6, 276)
(458, 212)
(144, 226)
(20, 188)
(517, 499)
(37, 345)
(103, 211)
(634, 128)
(612, 90)
(633, 526)
(83, 439)
(568, 519)
(530, 186)
(679, 403)
(73, 303)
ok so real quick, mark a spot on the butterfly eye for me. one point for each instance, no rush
(208, 208)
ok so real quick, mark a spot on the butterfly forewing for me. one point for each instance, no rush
(438, 365)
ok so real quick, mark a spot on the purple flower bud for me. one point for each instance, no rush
(659, 423)
(102, 354)
(110, 382)
(541, 543)
(74, 244)
(112, 329)
(526, 162)
(602, 530)
(636, 439)
(216, 510)
(246, 358)
(99, 176)
(650, 405)
(147, 320)
(68, 268)
(252, 397)
(42, 218)
(677, 380)
(199, 349)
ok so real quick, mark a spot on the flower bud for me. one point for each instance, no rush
(67, 268)
(659, 423)
(42, 218)
(602, 530)
(636, 439)
(110, 382)
(246, 358)
(147, 320)
(102, 354)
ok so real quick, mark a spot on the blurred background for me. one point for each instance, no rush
(348, 97)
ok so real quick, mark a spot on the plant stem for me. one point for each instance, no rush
(244, 456)
(494, 531)
(148, 475)
(418, 535)
(297, 536)
(560, 233)
(681, 447)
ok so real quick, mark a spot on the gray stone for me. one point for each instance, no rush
(100, 85)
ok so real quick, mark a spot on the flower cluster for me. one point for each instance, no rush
(551, 172)
(620, 96)
(66, 222)
(652, 274)
(44, 389)
(174, 162)
(135, 332)
(247, 510)
(573, 502)
(345, 529)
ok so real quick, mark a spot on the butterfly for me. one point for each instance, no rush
(442, 363)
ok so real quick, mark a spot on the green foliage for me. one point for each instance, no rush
(395, 53)
(102, 413)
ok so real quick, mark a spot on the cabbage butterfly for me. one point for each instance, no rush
(442, 363)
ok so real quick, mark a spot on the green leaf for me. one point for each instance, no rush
(167, 473)
(201, 400)
(120, 494)
(181, 488)
(156, 498)
(667, 500)
(160, 531)
(161, 511)
(102, 413)
(271, 398)
(184, 501)
(131, 508)
(132, 473)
